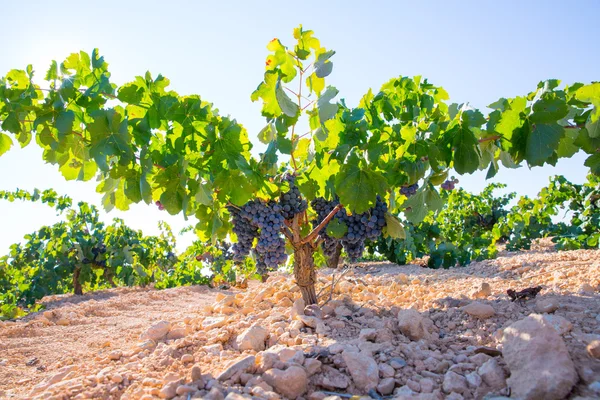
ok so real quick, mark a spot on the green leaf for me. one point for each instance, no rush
(336, 228)
(593, 162)
(204, 194)
(131, 93)
(235, 187)
(593, 128)
(267, 134)
(326, 109)
(590, 94)
(566, 146)
(52, 71)
(415, 207)
(548, 110)
(5, 143)
(266, 92)
(358, 188)
(64, 122)
(433, 199)
(393, 227)
(323, 67)
(542, 142)
(11, 123)
(466, 151)
(286, 104)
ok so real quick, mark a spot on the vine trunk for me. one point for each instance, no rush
(304, 272)
(77, 289)
(334, 260)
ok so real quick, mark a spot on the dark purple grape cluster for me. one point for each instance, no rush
(409, 190)
(245, 232)
(292, 202)
(449, 184)
(323, 207)
(367, 225)
(263, 220)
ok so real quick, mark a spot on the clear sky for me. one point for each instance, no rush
(477, 50)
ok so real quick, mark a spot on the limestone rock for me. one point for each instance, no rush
(331, 379)
(538, 359)
(157, 331)
(560, 324)
(492, 374)
(367, 334)
(479, 310)
(241, 366)
(292, 383)
(546, 306)
(297, 309)
(168, 391)
(454, 382)
(594, 349)
(412, 324)
(312, 366)
(363, 369)
(386, 386)
(484, 291)
(252, 338)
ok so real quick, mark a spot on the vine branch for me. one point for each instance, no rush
(325, 221)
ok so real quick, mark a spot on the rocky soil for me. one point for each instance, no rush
(387, 331)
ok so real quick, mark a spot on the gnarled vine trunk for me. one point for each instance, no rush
(334, 260)
(304, 272)
(76, 284)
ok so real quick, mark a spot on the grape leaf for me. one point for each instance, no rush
(466, 151)
(323, 67)
(590, 94)
(358, 188)
(593, 162)
(286, 104)
(336, 228)
(267, 134)
(393, 227)
(5, 143)
(326, 109)
(542, 142)
(11, 123)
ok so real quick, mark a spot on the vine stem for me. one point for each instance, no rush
(315, 232)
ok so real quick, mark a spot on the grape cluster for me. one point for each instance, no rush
(409, 190)
(367, 225)
(449, 184)
(291, 201)
(323, 207)
(96, 250)
(263, 220)
(245, 231)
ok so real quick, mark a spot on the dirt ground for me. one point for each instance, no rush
(260, 342)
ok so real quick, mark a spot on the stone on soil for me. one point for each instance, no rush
(479, 310)
(412, 324)
(363, 369)
(292, 383)
(252, 338)
(538, 360)
(157, 331)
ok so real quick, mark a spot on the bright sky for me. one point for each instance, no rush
(478, 51)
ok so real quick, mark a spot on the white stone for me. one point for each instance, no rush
(363, 370)
(538, 360)
(479, 310)
(252, 338)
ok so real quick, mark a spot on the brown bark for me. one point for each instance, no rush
(76, 284)
(304, 272)
(334, 261)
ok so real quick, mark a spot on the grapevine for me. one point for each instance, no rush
(144, 142)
